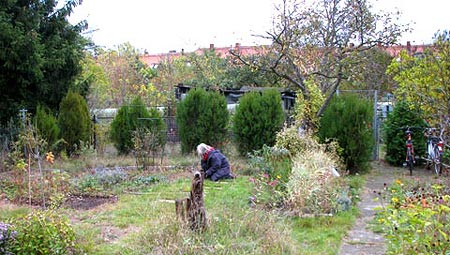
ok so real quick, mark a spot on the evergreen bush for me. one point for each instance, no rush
(394, 135)
(128, 119)
(74, 121)
(202, 117)
(47, 126)
(258, 118)
(348, 119)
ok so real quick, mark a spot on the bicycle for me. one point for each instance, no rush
(409, 151)
(435, 150)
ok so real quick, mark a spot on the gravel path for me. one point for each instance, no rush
(361, 240)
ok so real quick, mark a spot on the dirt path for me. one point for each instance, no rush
(361, 240)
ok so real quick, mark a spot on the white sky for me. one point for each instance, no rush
(159, 26)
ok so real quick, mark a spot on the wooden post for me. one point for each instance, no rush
(192, 208)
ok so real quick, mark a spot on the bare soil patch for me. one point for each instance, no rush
(88, 202)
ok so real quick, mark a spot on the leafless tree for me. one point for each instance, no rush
(320, 41)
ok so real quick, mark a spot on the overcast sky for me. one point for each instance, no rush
(159, 26)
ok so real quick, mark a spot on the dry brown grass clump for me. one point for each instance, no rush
(312, 187)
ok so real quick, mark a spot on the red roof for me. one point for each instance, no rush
(155, 59)
(411, 49)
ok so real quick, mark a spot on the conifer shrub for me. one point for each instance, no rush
(202, 117)
(47, 126)
(74, 122)
(394, 136)
(129, 119)
(348, 120)
(258, 118)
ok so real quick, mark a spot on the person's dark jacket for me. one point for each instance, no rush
(216, 166)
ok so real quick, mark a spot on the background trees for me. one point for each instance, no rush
(40, 54)
(404, 115)
(322, 42)
(424, 80)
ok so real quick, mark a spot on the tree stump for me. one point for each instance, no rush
(192, 208)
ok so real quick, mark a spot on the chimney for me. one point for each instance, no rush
(211, 46)
(408, 46)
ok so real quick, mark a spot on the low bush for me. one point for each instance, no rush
(273, 170)
(24, 187)
(7, 237)
(43, 232)
(100, 182)
(414, 217)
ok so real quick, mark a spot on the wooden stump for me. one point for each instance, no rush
(192, 208)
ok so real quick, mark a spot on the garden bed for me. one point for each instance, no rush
(88, 202)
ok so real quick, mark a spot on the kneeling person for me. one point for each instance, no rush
(214, 164)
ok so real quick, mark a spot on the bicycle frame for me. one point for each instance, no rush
(435, 150)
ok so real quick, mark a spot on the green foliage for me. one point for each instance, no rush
(348, 119)
(202, 117)
(414, 217)
(210, 69)
(47, 126)
(74, 121)
(101, 182)
(258, 118)
(40, 54)
(306, 108)
(423, 80)
(7, 236)
(394, 128)
(289, 138)
(274, 168)
(121, 76)
(101, 137)
(93, 76)
(43, 232)
(129, 119)
(149, 140)
(370, 71)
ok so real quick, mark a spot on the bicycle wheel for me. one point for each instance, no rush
(437, 161)
(429, 159)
